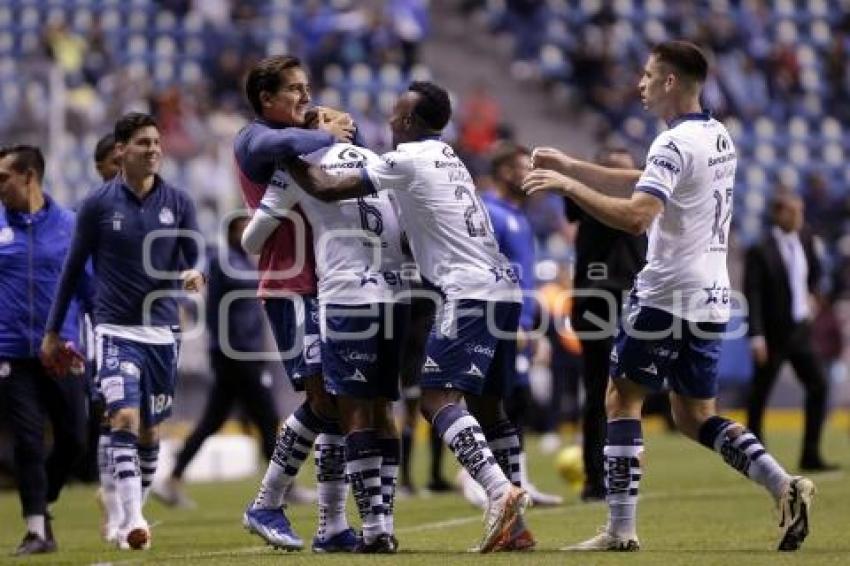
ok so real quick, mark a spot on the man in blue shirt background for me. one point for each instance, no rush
(140, 232)
(34, 237)
(510, 163)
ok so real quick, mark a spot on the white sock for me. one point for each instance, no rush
(390, 460)
(622, 475)
(114, 513)
(35, 524)
(463, 435)
(330, 485)
(363, 471)
(742, 450)
(294, 442)
(128, 478)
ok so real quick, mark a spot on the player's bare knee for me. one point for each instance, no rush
(125, 419)
(434, 400)
(322, 403)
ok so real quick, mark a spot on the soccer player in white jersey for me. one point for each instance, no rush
(472, 349)
(680, 303)
(359, 265)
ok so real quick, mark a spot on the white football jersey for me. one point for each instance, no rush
(691, 167)
(357, 242)
(448, 227)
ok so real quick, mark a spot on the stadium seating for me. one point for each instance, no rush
(148, 41)
(797, 134)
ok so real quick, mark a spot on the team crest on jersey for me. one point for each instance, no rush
(166, 216)
(449, 152)
(6, 235)
(351, 154)
(117, 218)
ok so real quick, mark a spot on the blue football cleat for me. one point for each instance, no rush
(272, 526)
(343, 541)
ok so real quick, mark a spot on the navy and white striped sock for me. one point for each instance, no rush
(742, 450)
(622, 475)
(330, 483)
(506, 446)
(363, 471)
(148, 460)
(462, 434)
(391, 458)
(294, 442)
(128, 477)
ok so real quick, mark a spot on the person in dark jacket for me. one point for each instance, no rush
(240, 331)
(607, 261)
(35, 233)
(782, 272)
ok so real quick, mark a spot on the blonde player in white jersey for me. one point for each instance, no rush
(472, 349)
(680, 304)
(361, 279)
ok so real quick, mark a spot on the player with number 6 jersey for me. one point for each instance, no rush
(471, 352)
(359, 264)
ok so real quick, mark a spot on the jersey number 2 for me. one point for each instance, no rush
(475, 226)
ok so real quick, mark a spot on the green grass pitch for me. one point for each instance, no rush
(693, 510)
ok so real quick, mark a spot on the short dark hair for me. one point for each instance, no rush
(129, 123)
(25, 157)
(606, 151)
(103, 148)
(434, 107)
(685, 57)
(504, 153)
(265, 77)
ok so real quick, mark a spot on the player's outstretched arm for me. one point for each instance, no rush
(633, 215)
(326, 187)
(607, 180)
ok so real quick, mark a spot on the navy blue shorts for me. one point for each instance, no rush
(466, 353)
(361, 349)
(137, 375)
(682, 354)
(295, 325)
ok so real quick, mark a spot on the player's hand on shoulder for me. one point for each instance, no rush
(193, 280)
(551, 158)
(337, 123)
